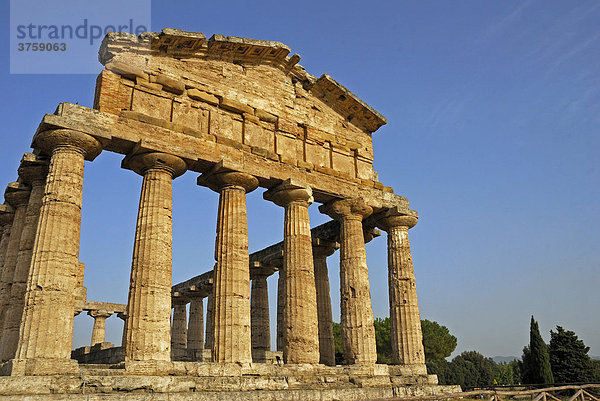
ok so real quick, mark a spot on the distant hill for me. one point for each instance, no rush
(595, 357)
(501, 359)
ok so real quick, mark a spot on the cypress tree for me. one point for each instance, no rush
(569, 357)
(539, 359)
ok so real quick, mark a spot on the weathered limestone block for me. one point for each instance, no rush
(195, 331)
(259, 312)
(190, 116)
(226, 125)
(46, 331)
(300, 335)
(203, 96)
(358, 332)
(151, 105)
(406, 334)
(169, 84)
(256, 136)
(17, 196)
(127, 70)
(231, 288)
(99, 329)
(321, 250)
(32, 171)
(179, 326)
(147, 331)
(288, 146)
(343, 161)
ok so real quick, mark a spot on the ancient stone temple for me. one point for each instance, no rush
(242, 115)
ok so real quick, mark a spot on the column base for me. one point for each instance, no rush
(39, 367)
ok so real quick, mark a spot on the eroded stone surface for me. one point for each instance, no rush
(405, 319)
(147, 330)
(356, 322)
(300, 335)
(32, 171)
(231, 289)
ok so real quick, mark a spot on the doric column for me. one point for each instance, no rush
(300, 336)
(210, 316)
(280, 308)
(179, 326)
(148, 328)
(406, 334)
(32, 171)
(47, 328)
(123, 317)
(98, 332)
(321, 250)
(259, 312)
(7, 214)
(17, 197)
(358, 332)
(231, 285)
(195, 332)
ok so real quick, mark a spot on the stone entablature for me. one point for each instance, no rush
(234, 92)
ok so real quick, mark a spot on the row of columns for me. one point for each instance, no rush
(41, 255)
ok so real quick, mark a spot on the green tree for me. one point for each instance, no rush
(508, 373)
(596, 370)
(383, 340)
(525, 365)
(536, 361)
(437, 341)
(337, 342)
(569, 357)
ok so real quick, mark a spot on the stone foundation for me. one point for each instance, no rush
(211, 381)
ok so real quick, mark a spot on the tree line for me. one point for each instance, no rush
(564, 360)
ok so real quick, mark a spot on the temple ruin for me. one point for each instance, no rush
(241, 114)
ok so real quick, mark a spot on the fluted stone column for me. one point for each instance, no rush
(301, 334)
(358, 332)
(195, 332)
(179, 326)
(99, 330)
(32, 171)
(231, 286)
(7, 214)
(148, 327)
(280, 308)
(123, 317)
(17, 197)
(46, 332)
(321, 250)
(210, 315)
(406, 334)
(259, 312)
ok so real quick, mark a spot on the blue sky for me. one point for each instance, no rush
(493, 135)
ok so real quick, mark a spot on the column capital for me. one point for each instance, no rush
(143, 162)
(7, 214)
(220, 176)
(48, 141)
(394, 217)
(289, 191)
(33, 168)
(99, 313)
(323, 248)
(342, 209)
(17, 194)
